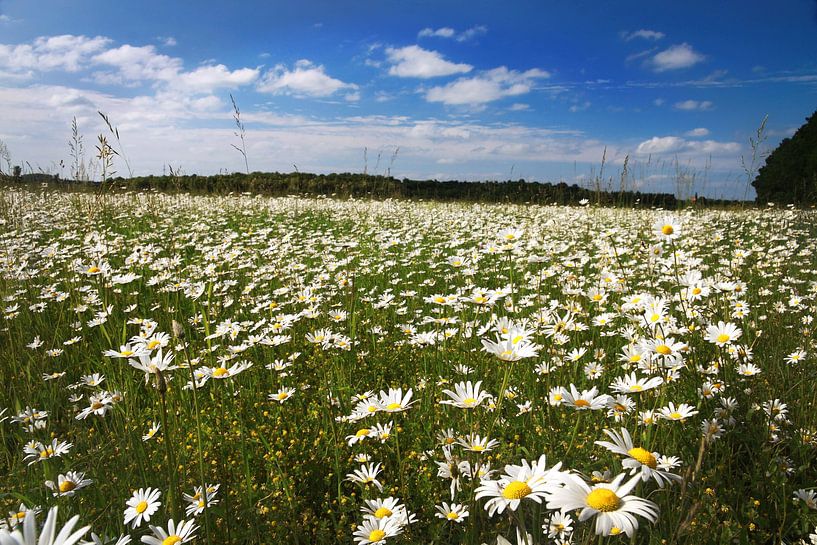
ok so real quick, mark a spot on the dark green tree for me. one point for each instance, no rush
(790, 172)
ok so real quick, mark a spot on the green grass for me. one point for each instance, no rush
(282, 467)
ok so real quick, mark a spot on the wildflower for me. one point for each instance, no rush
(519, 482)
(452, 513)
(394, 401)
(559, 525)
(68, 484)
(282, 394)
(666, 228)
(183, 532)
(610, 503)
(586, 400)
(638, 459)
(141, 506)
(39, 452)
(475, 443)
(152, 431)
(365, 475)
(376, 530)
(723, 333)
(682, 412)
(49, 535)
(390, 508)
(466, 395)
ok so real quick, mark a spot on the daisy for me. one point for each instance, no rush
(141, 506)
(558, 525)
(394, 401)
(452, 513)
(227, 372)
(152, 431)
(466, 395)
(638, 459)
(631, 384)
(17, 516)
(175, 534)
(282, 394)
(365, 475)
(376, 530)
(666, 228)
(28, 536)
(197, 502)
(526, 481)
(68, 484)
(682, 412)
(611, 504)
(510, 349)
(358, 436)
(390, 508)
(586, 400)
(126, 351)
(40, 452)
(475, 443)
(723, 333)
(796, 357)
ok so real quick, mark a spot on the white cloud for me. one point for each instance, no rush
(519, 107)
(5, 18)
(580, 107)
(676, 57)
(444, 32)
(210, 77)
(658, 145)
(450, 33)
(169, 41)
(66, 52)
(694, 105)
(643, 34)
(415, 62)
(700, 131)
(486, 87)
(135, 64)
(659, 101)
(306, 79)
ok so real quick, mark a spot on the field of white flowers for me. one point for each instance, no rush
(242, 369)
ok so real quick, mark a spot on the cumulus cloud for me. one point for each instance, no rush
(676, 57)
(450, 33)
(305, 79)
(136, 64)
(694, 105)
(643, 34)
(66, 52)
(658, 145)
(415, 62)
(486, 87)
(700, 131)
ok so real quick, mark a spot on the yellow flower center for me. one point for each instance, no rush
(153, 344)
(557, 397)
(644, 456)
(663, 349)
(477, 448)
(452, 516)
(93, 269)
(47, 452)
(469, 401)
(675, 416)
(582, 403)
(636, 388)
(126, 353)
(282, 396)
(516, 490)
(141, 507)
(20, 515)
(220, 372)
(615, 530)
(516, 339)
(722, 338)
(374, 536)
(393, 406)
(171, 540)
(382, 512)
(655, 317)
(96, 405)
(696, 291)
(603, 499)
(67, 486)
(597, 297)
(371, 408)
(362, 432)
(667, 229)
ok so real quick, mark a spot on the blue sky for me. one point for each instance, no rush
(435, 89)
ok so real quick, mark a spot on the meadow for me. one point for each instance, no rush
(246, 369)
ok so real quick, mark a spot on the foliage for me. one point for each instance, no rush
(790, 172)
